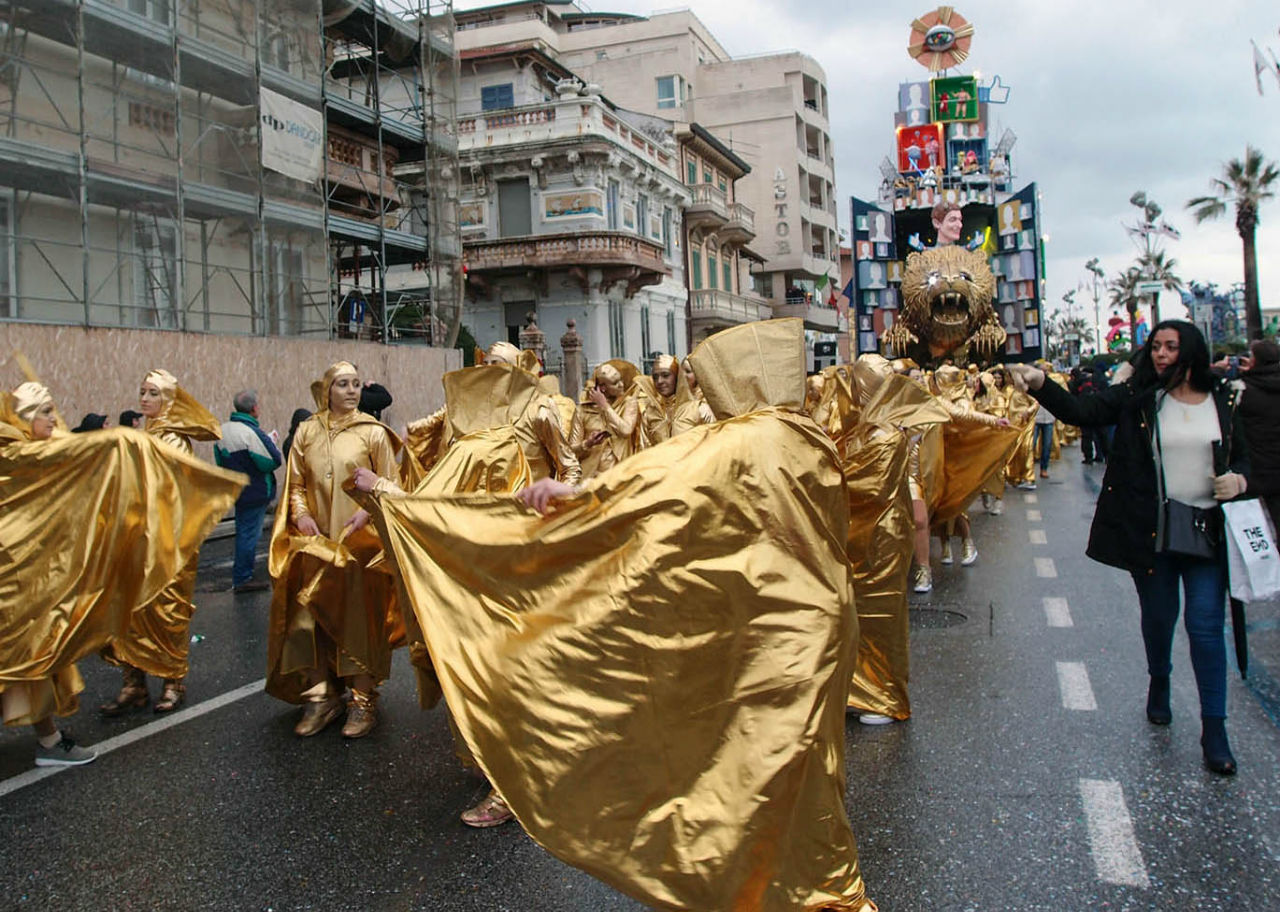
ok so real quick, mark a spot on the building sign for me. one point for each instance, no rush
(919, 148)
(292, 137)
(574, 204)
(955, 98)
(782, 228)
(471, 215)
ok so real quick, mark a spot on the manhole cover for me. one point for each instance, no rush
(935, 618)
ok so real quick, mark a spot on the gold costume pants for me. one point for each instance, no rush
(159, 637)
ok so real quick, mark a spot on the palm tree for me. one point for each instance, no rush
(1124, 293)
(1245, 185)
(1156, 267)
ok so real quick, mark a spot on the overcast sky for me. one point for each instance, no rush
(1108, 97)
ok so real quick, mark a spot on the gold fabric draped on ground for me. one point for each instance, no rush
(325, 596)
(654, 678)
(92, 527)
(971, 456)
(159, 637)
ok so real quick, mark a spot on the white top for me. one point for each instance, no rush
(1187, 434)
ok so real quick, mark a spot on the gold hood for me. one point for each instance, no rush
(494, 395)
(751, 367)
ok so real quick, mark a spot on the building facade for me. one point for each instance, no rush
(570, 208)
(771, 111)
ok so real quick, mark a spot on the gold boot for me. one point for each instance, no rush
(133, 693)
(317, 714)
(362, 714)
(175, 692)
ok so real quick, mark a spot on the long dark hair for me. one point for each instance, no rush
(1192, 364)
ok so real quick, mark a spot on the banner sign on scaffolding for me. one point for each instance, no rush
(292, 137)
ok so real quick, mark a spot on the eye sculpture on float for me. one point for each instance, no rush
(940, 39)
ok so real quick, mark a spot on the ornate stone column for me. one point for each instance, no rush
(532, 338)
(572, 377)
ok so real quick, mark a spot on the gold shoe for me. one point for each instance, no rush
(133, 693)
(175, 693)
(362, 714)
(490, 812)
(316, 715)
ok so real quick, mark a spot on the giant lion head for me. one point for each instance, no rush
(946, 297)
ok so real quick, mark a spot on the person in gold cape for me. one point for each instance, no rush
(609, 421)
(673, 647)
(965, 458)
(159, 637)
(1021, 468)
(567, 409)
(83, 575)
(879, 413)
(693, 411)
(991, 399)
(667, 405)
(334, 620)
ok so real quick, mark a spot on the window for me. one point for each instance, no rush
(646, 348)
(695, 258)
(497, 97)
(671, 332)
(706, 174)
(615, 192)
(667, 238)
(155, 10)
(693, 172)
(713, 280)
(287, 289)
(617, 337)
(642, 215)
(515, 208)
(728, 276)
(764, 284)
(669, 91)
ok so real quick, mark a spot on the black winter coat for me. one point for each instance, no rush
(1124, 524)
(1260, 414)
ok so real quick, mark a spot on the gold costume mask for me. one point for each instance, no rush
(164, 381)
(20, 407)
(502, 353)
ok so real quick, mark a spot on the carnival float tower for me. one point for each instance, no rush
(944, 150)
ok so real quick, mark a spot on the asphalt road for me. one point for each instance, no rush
(1027, 779)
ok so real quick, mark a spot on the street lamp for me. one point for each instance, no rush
(1098, 275)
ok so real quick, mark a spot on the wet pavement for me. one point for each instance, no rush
(1027, 779)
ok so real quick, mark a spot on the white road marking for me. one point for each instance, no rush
(1073, 681)
(1029, 498)
(1037, 537)
(1057, 611)
(1045, 568)
(1115, 848)
(32, 776)
(1033, 516)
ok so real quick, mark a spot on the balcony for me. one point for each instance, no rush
(741, 226)
(817, 317)
(709, 209)
(359, 183)
(713, 306)
(620, 257)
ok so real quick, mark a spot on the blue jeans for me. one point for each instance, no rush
(1204, 582)
(248, 530)
(1044, 434)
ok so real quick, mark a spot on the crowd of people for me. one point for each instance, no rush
(612, 598)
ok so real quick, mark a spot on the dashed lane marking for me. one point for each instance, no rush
(1073, 681)
(1034, 516)
(22, 780)
(1057, 611)
(1037, 537)
(1029, 498)
(1045, 568)
(1115, 848)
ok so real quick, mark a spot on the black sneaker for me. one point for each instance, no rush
(65, 753)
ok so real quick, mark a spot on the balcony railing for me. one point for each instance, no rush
(816, 316)
(725, 307)
(744, 215)
(593, 248)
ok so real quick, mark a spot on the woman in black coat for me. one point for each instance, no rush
(1172, 405)
(1260, 409)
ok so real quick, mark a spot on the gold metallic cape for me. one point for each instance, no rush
(92, 527)
(322, 583)
(876, 458)
(654, 678)
(159, 637)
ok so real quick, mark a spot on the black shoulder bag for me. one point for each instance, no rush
(1180, 527)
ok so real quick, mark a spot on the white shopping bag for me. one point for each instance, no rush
(1253, 562)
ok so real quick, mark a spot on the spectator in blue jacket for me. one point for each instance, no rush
(245, 448)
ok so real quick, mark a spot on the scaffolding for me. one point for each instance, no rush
(224, 166)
